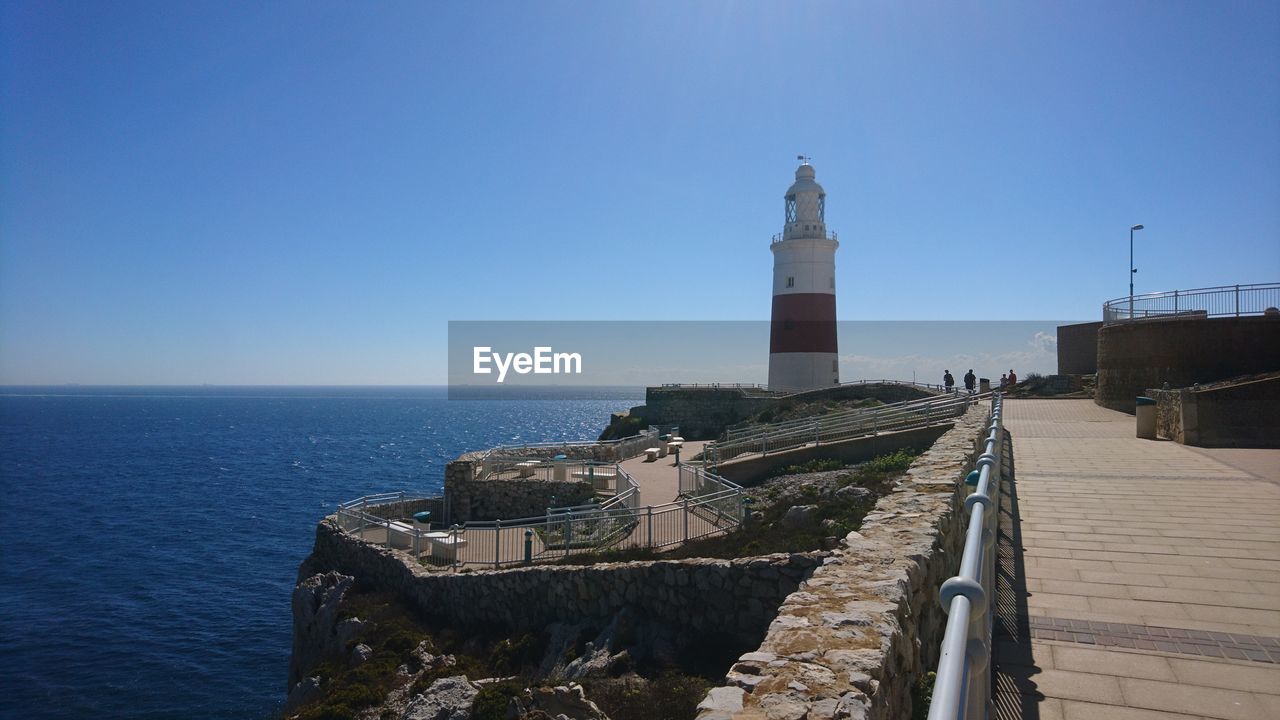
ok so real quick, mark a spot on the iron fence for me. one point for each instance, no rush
(1224, 301)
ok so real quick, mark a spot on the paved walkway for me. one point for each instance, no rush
(1139, 579)
(659, 480)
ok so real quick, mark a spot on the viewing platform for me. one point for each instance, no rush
(1138, 579)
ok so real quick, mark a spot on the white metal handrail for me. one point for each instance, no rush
(621, 522)
(1222, 301)
(962, 687)
(842, 426)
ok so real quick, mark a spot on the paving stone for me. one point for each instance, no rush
(1192, 699)
(1104, 662)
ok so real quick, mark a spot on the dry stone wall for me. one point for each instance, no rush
(468, 498)
(733, 597)
(852, 639)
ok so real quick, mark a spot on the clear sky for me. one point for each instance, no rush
(307, 192)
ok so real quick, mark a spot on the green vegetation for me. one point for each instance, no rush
(892, 463)
(819, 465)
(922, 696)
(494, 700)
(625, 427)
(670, 696)
(393, 633)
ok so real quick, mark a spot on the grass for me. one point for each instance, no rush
(819, 465)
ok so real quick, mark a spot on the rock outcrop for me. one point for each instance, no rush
(318, 633)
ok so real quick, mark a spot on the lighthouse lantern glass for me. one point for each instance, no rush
(822, 208)
(791, 208)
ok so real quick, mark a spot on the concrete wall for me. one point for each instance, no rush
(1134, 356)
(1078, 348)
(1245, 414)
(749, 471)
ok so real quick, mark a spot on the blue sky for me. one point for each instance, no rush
(308, 192)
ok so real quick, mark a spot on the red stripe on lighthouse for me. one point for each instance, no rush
(803, 322)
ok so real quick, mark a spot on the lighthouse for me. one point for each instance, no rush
(802, 331)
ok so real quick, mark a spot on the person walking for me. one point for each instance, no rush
(947, 380)
(970, 381)
(1004, 382)
(1013, 378)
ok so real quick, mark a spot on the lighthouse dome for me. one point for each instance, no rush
(805, 182)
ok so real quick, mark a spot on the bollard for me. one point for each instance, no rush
(746, 510)
(528, 547)
(677, 456)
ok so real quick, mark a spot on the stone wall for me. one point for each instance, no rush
(1237, 414)
(1078, 348)
(1134, 356)
(736, 598)
(471, 499)
(851, 641)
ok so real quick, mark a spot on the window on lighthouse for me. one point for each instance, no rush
(822, 208)
(791, 282)
(791, 208)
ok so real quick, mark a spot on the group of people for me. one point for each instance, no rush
(971, 381)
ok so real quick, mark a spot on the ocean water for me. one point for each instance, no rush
(151, 537)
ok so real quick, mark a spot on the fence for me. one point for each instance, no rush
(1225, 301)
(711, 505)
(837, 427)
(618, 450)
(962, 687)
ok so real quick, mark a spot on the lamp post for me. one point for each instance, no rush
(1132, 269)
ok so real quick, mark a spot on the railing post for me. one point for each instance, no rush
(1237, 301)
(649, 512)
(497, 546)
(528, 546)
(686, 519)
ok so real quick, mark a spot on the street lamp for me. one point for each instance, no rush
(1132, 269)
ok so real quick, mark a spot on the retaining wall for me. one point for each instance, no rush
(732, 597)
(1078, 348)
(1134, 356)
(470, 499)
(750, 470)
(1244, 414)
(854, 638)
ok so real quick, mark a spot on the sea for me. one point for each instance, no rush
(151, 537)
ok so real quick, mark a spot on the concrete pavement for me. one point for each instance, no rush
(1138, 579)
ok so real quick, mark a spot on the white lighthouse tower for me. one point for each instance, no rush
(802, 333)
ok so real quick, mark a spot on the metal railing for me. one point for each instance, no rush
(837, 427)
(1224, 301)
(803, 235)
(962, 687)
(712, 505)
(620, 448)
(731, 386)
